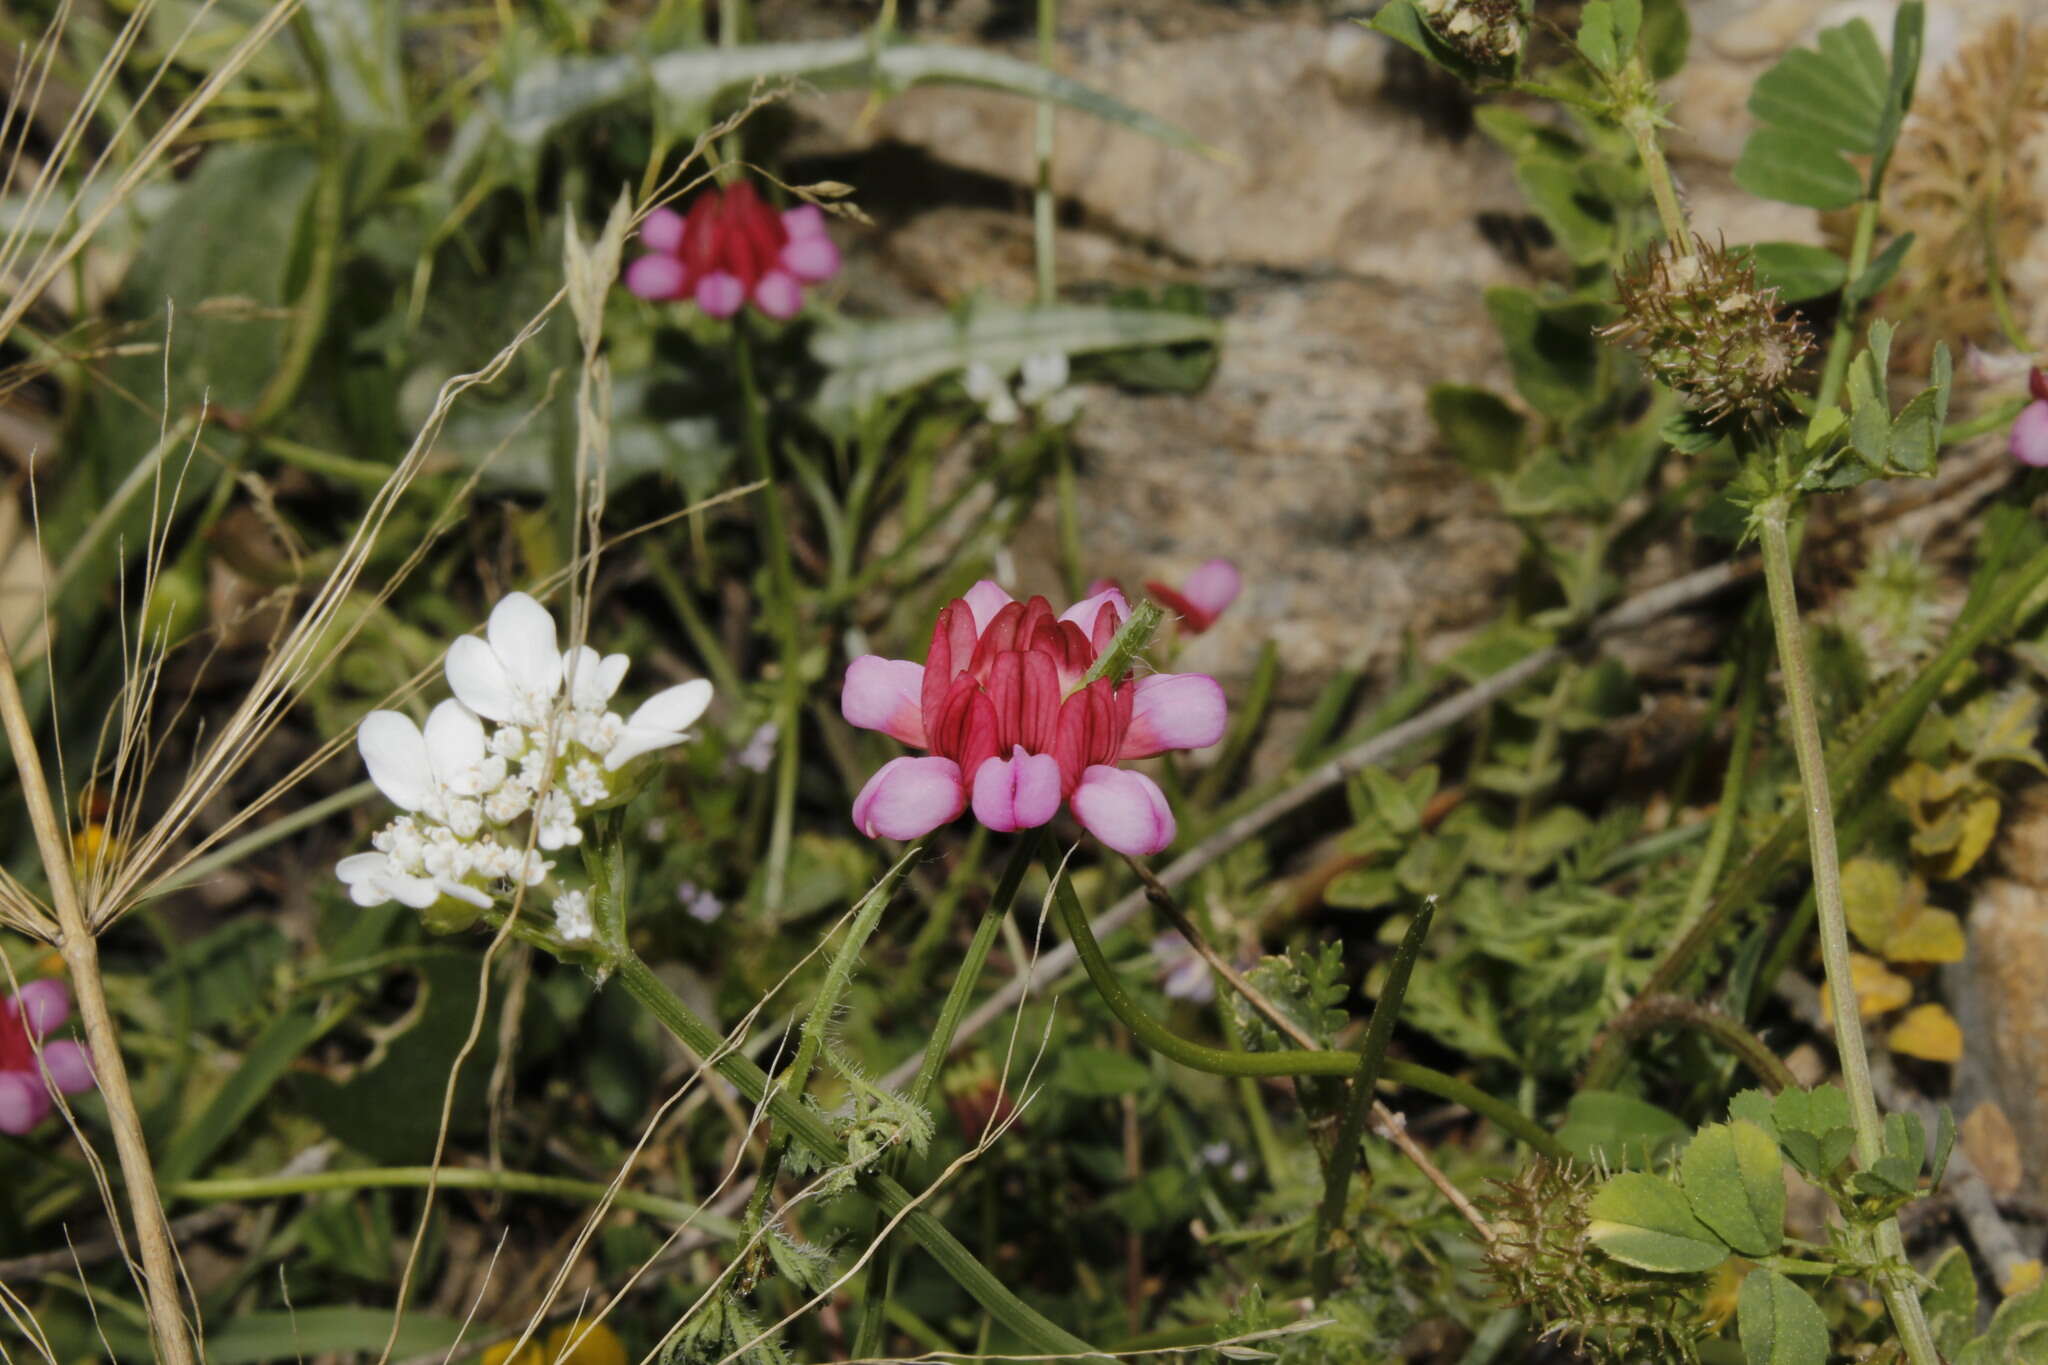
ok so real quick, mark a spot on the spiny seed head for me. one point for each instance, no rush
(1542, 1256)
(1487, 32)
(1707, 329)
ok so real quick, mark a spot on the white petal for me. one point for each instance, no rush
(396, 754)
(522, 635)
(455, 741)
(479, 681)
(592, 679)
(463, 893)
(417, 892)
(674, 708)
(358, 867)
(636, 740)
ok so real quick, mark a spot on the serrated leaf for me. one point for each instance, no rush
(1905, 1137)
(1753, 1106)
(1834, 96)
(1645, 1221)
(1797, 169)
(1620, 1130)
(1735, 1181)
(1797, 271)
(1779, 1323)
(1928, 1032)
(1551, 349)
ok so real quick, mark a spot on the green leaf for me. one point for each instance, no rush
(548, 95)
(868, 361)
(1667, 32)
(1795, 270)
(1581, 220)
(1621, 1130)
(1390, 798)
(1597, 37)
(1779, 1323)
(1944, 1146)
(1403, 22)
(1909, 26)
(1645, 1221)
(1365, 888)
(1099, 1073)
(1551, 349)
(1813, 1128)
(1735, 1180)
(1951, 1305)
(1796, 168)
(1879, 272)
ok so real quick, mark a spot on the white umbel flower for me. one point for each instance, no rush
(476, 798)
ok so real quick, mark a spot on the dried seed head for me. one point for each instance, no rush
(1542, 1257)
(1707, 329)
(1488, 32)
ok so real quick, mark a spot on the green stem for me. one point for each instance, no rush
(236, 1189)
(1994, 280)
(1641, 121)
(1753, 877)
(868, 1337)
(1037, 1332)
(782, 574)
(1285, 1062)
(1898, 1292)
(1845, 321)
(818, 1023)
(1351, 1132)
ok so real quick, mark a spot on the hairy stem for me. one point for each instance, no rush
(1036, 1331)
(1898, 1292)
(789, 696)
(1284, 1062)
(166, 1304)
(1653, 1012)
(868, 1339)
(1841, 343)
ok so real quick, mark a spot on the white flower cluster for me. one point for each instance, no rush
(1041, 387)
(465, 791)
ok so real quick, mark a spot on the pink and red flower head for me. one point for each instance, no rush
(24, 1020)
(731, 250)
(2030, 429)
(1013, 731)
(1206, 595)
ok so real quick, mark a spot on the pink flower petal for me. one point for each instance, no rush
(886, 695)
(805, 220)
(720, 294)
(657, 278)
(908, 798)
(1020, 792)
(1125, 810)
(1173, 711)
(69, 1066)
(2030, 435)
(811, 259)
(23, 1102)
(1085, 612)
(984, 600)
(1213, 586)
(43, 1005)
(779, 295)
(662, 229)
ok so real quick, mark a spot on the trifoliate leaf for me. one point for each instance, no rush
(1645, 1221)
(1735, 1181)
(1779, 1322)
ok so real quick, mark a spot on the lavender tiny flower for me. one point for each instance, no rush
(26, 1020)
(2030, 430)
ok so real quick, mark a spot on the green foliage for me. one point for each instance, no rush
(1779, 1322)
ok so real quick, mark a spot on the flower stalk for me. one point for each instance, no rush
(81, 953)
(1893, 1278)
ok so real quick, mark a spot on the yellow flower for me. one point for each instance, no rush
(594, 1344)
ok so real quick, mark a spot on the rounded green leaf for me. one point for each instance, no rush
(1795, 169)
(1645, 1221)
(1779, 1324)
(1735, 1181)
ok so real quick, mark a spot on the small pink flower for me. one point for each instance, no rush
(1013, 733)
(1206, 595)
(732, 249)
(2030, 430)
(24, 1020)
